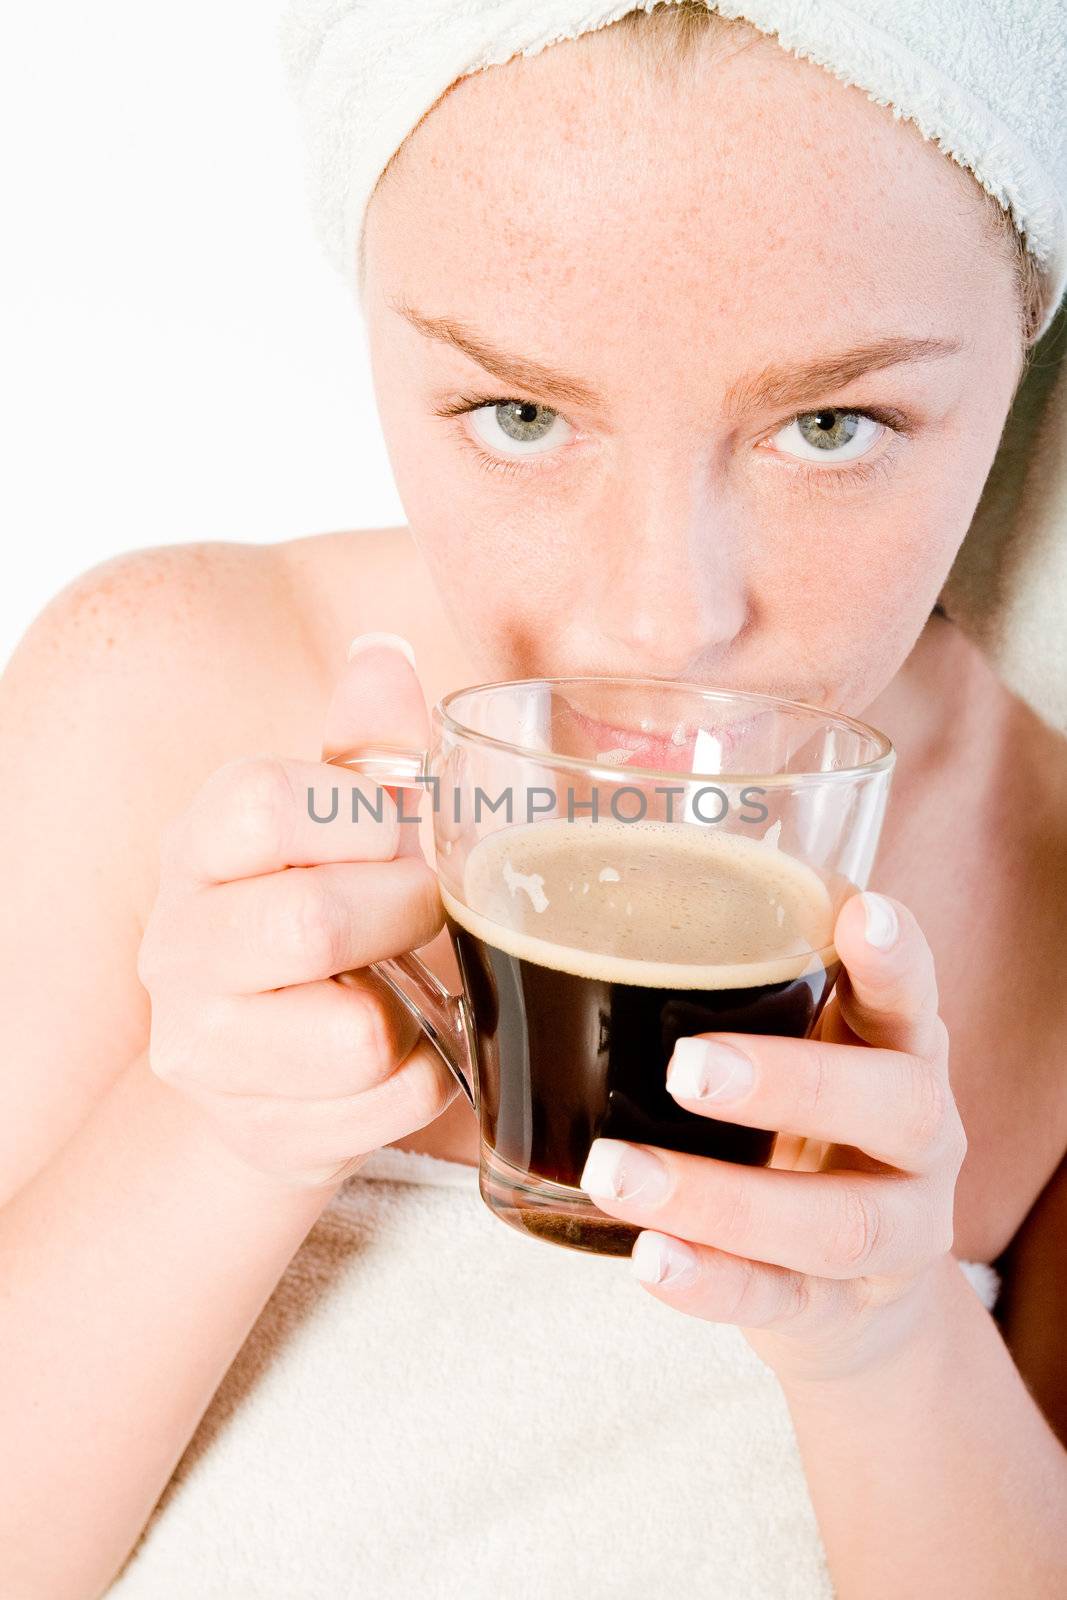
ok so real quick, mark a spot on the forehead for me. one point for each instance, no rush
(744, 189)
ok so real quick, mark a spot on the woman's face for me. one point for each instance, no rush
(740, 348)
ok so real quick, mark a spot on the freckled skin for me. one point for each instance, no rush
(661, 238)
(662, 241)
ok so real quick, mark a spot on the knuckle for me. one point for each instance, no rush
(308, 930)
(163, 1067)
(373, 1037)
(260, 802)
(855, 1237)
(740, 1306)
(376, 814)
(813, 1086)
(168, 1052)
(931, 1226)
(267, 1115)
(155, 952)
(190, 1046)
(148, 959)
(939, 1035)
(728, 1212)
(945, 1231)
(795, 1298)
(176, 1055)
(960, 1143)
(931, 1107)
(430, 1088)
(430, 907)
(419, 911)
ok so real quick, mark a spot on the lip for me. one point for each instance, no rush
(618, 746)
(450, 719)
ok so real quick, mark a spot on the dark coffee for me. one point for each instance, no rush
(587, 949)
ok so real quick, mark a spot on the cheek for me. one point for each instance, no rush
(893, 537)
(842, 583)
(494, 542)
(500, 558)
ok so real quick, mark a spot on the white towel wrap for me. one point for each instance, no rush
(987, 79)
(433, 1405)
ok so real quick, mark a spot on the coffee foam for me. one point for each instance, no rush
(664, 905)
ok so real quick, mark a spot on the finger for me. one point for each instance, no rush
(887, 992)
(320, 1134)
(327, 1039)
(834, 1224)
(378, 701)
(891, 1105)
(377, 698)
(259, 814)
(293, 927)
(718, 1287)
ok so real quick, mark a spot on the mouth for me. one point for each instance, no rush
(683, 749)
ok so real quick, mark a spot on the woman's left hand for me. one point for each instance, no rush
(825, 1270)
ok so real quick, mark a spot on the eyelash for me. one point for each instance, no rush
(861, 471)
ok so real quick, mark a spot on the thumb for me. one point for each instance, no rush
(886, 994)
(378, 700)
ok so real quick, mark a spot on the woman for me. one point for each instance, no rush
(717, 408)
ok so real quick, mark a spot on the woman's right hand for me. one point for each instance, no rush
(258, 907)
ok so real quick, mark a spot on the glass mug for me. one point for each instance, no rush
(624, 862)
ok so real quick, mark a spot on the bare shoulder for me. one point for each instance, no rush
(212, 640)
(146, 612)
(131, 686)
(148, 671)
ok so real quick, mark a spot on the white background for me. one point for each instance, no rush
(178, 359)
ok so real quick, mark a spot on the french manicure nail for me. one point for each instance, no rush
(707, 1069)
(616, 1171)
(392, 641)
(881, 920)
(663, 1261)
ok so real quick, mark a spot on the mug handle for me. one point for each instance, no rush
(444, 1017)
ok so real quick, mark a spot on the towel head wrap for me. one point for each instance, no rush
(986, 80)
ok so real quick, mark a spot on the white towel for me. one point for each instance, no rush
(434, 1407)
(986, 79)
(1008, 585)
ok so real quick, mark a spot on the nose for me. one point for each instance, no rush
(666, 584)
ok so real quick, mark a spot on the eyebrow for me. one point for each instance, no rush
(792, 383)
(778, 385)
(519, 370)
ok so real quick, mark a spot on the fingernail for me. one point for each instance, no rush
(616, 1171)
(657, 1259)
(882, 926)
(705, 1069)
(392, 641)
